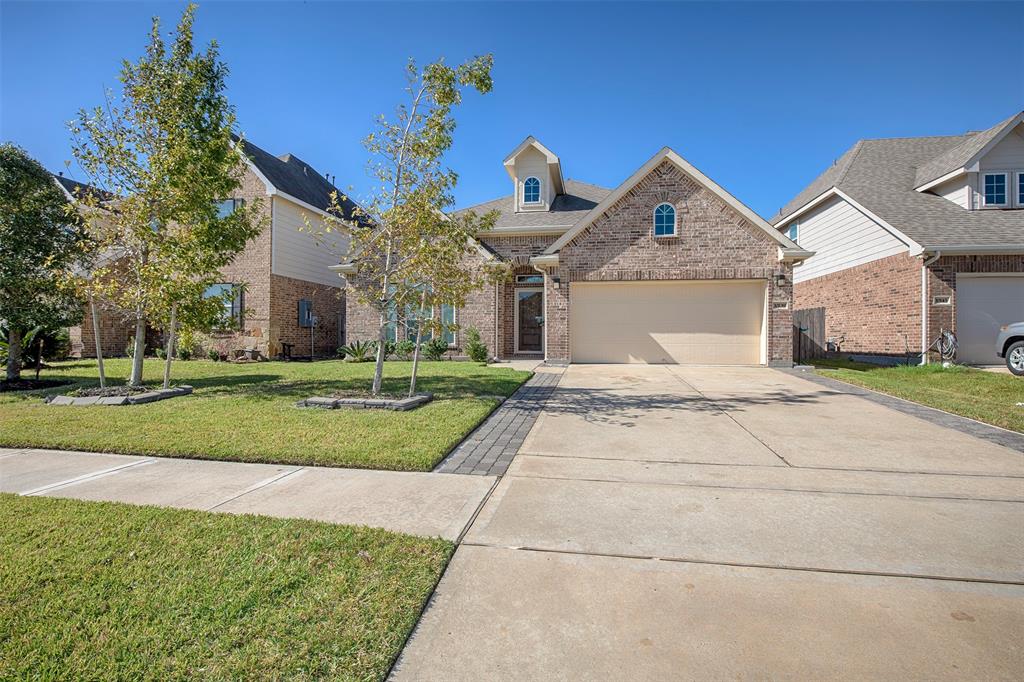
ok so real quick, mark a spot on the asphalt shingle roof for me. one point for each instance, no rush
(78, 189)
(566, 209)
(881, 176)
(297, 178)
(959, 155)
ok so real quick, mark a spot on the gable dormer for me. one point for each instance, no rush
(536, 176)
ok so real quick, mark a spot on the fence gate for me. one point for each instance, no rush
(808, 334)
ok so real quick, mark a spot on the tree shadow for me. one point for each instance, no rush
(605, 406)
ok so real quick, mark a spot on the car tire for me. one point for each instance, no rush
(1015, 358)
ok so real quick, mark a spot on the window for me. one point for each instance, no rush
(995, 189)
(531, 191)
(664, 220)
(226, 207)
(448, 323)
(1020, 189)
(231, 296)
(793, 231)
(529, 279)
(305, 312)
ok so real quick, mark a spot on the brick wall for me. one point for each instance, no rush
(875, 307)
(328, 303)
(713, 242)
(115, 335)
(942, 281)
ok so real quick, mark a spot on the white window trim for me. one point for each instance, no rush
(540, 191)
(1007, 177)
(793, 230)
(675, 221)
(1017, 189)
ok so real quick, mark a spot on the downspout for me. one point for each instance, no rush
(924, 305)
(544, 310)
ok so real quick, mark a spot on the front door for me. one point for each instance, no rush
(529, 320)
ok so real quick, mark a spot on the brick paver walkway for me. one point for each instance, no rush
(490, 449)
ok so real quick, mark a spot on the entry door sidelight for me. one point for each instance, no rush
(529, 320)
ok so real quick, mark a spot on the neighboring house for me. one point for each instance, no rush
(666, 268)
(915, 235)
(284, 270)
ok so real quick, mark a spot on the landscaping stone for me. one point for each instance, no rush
(398, 405)
(136, 399)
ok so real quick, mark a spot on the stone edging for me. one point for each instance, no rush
(367, 403)
(136, 399)
(993, 434)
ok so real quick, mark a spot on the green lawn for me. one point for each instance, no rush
(109, 591)
(986, 396)
(247, 413)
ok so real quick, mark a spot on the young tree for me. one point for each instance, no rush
(413, 188)
(166, 152)
(39, 243)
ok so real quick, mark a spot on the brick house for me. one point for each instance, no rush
(912, 236)
(290, 296)
(666, 268)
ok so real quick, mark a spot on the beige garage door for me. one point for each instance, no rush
(705, 322)
(983, 304)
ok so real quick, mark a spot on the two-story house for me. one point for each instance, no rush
(668, 267)
(289, 295)
(915, 235)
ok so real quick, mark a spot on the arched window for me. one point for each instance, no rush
(531, 191)
(664, 220)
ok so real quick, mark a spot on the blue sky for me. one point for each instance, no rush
(761, 96)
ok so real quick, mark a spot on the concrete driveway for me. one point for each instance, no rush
(707, 523)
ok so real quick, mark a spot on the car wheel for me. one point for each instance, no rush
(1015, 358)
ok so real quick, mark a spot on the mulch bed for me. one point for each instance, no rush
(30, 384)
(108, 392)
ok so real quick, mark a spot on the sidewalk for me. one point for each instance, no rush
(427, 504)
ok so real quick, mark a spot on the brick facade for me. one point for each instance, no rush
(270, 301)
(714, 242)
(876, 307)
(871, 308)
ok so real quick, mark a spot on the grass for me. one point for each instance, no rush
(247, 413)
(985, 396)
(110, 591)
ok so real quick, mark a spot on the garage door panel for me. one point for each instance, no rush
(707, 322)
(983, 304)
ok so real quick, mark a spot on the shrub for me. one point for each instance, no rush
(404, 349)
(130, 349)
(475, 348)
(185, 344)
(161, 352)
(358, 351)
(213, 354)
(389, 349)
(184, 353)
(435, 349)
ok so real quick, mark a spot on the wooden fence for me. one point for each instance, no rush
(808, 334)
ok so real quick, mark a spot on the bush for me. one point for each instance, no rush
(389, 349)
(213, 354)
(161, 352)
(358, 351)
(183, 353)
(404, 350)
(475, 348)
(129, 350)
(435, 349)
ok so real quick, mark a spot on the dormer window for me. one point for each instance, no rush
(665, 220)
(531, 191)
(995, 189)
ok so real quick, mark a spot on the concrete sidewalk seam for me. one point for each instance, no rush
(764, 489)
(257, 486)
(86, 477)
(769, 466)
(726, 413)
(773, 567)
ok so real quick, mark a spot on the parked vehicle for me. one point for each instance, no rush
(1010, 345)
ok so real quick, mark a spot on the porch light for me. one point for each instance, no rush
(780, 279)
(557, 282)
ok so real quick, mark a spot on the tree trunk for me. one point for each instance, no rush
(140, 350)
(169, 350)
(419, 342)
(96, 338)
(13, 354)
(39, 354)
(378, 370)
